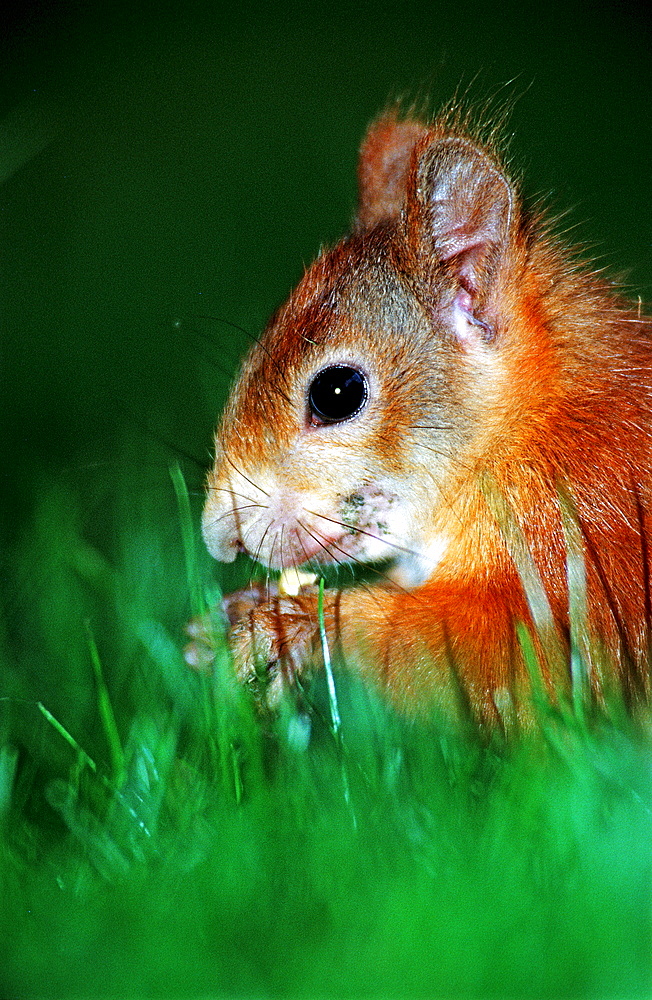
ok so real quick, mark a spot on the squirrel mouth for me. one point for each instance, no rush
(308, 546)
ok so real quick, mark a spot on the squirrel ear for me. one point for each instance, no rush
(459, 208)
(383, 169)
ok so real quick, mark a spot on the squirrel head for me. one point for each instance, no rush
(356, 415)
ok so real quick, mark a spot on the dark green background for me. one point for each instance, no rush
(163, 165)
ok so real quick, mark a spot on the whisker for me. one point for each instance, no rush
(315, 535)
(146, 430)
(363, 531)
(225, 373)
(310, 560)
(348, 559)
(234, 510)
(454, 459)
(255, 340)
(255, 555)
(430, 427)
(246, 478)
(227, 322)
(235, 495)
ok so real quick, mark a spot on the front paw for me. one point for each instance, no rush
(273, 642)
(209, 630)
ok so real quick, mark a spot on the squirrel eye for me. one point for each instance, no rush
(337, 393)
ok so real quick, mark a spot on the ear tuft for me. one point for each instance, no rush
(460, 208)
(383, 169)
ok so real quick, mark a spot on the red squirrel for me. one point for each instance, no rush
(449, 395)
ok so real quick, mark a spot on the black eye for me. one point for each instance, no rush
(337, 393)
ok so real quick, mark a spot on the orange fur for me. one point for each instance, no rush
(503, 382)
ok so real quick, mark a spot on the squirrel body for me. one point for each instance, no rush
(449, 391)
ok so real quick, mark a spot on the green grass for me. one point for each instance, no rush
(158, 838)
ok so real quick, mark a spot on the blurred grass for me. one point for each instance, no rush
(215, 854)
(167, 174)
